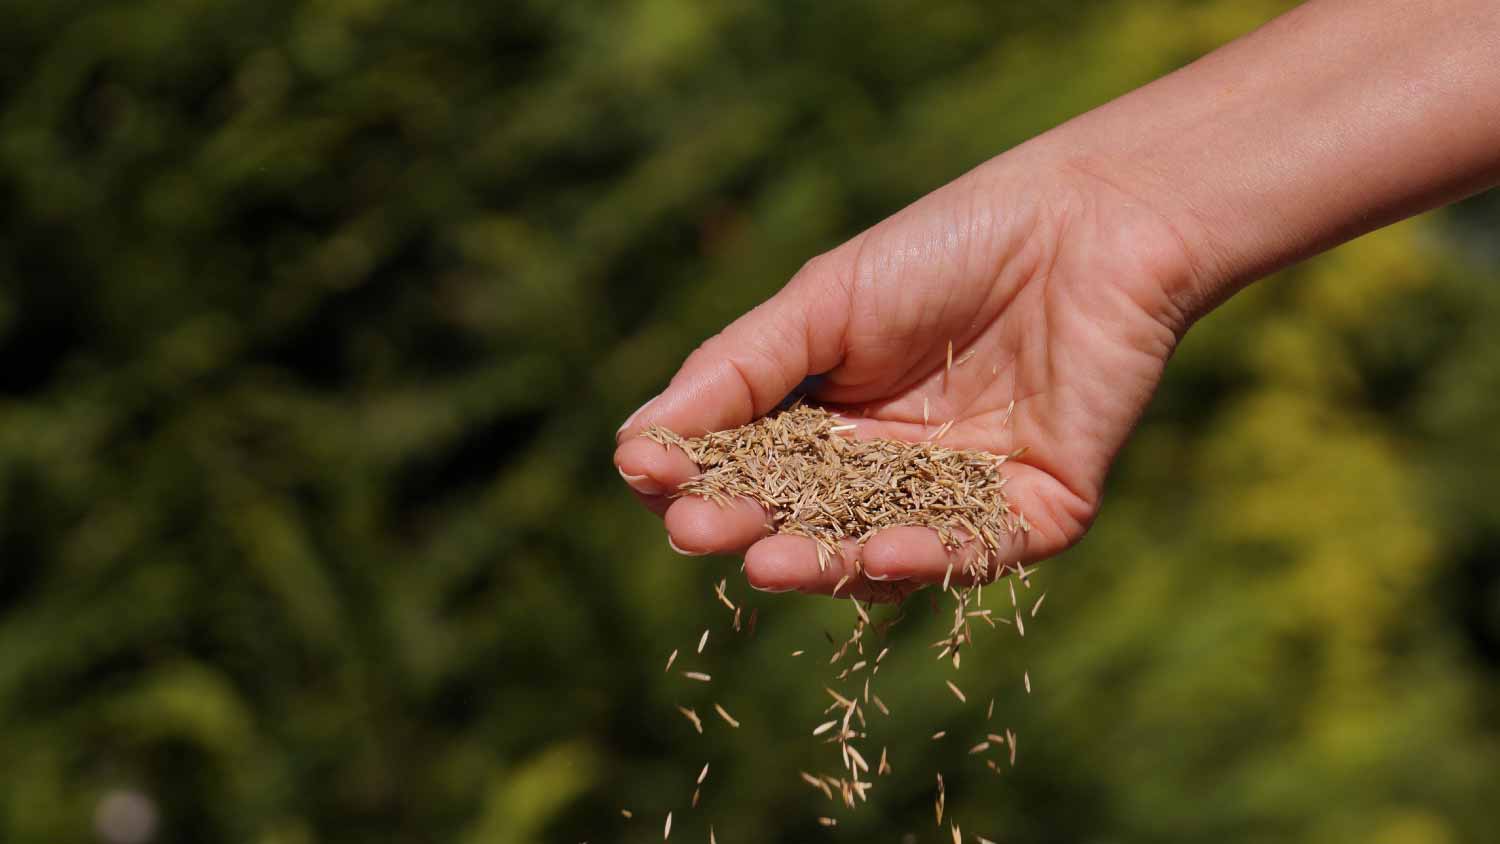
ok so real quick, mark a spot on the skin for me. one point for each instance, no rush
(1073, 264)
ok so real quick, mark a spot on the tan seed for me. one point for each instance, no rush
(957, 692)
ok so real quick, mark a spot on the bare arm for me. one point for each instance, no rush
(1335, 119)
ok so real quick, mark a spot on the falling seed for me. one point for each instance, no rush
(754, 617)
(723, 598)
(957, 692)
(990, 713)
(881, 655)
(712, 840)
(736, 619)
(982, 840)
(1026, 675)
(627, 814)
(979, 748)
(828, 822)
(924, 412)
(1020, 625)
(691, 716)
(884, 767)
(697, 675)
(703, 774)
(702, 641)
(824, 727)
(798, 653)
(949, 369)
(966, 356)
(939, 734)
(667, 830)
(670, 659)
(860, 611)
(1011, 737)
(697, 792)
(880, 704)
(947, 575)
(1038, 605)
(957, 836)
(942, 798)
(1012, 585)
(727, 718)
(840, 585)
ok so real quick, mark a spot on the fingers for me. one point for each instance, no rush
(697, 526)
(652, 469)
(917, 555)
(745, 370)
(786, 563)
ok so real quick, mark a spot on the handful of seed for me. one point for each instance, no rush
(816, 482)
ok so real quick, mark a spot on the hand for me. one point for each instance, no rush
(1071, 265)
(1054, 288)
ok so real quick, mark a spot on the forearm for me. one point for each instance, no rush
(1337, 118)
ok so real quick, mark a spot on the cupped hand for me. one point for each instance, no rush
(1057, 290)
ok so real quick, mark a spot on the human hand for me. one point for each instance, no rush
(1071, 266)
(1056, 292)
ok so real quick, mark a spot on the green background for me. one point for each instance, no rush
(316, 323)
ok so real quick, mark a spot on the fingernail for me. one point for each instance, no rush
(682, 552)
(632, 417)
(884, 578)
(641, 483)
(774, 590)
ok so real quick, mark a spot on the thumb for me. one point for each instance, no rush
(744, 371)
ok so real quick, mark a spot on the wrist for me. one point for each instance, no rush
(1167, 252)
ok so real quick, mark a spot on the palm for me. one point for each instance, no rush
(1051, 293)
(1052, 308)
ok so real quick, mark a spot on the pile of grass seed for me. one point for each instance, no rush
(816, 481)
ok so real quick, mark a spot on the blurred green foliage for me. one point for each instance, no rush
(317, 320)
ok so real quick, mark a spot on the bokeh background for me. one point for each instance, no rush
(316, 323)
